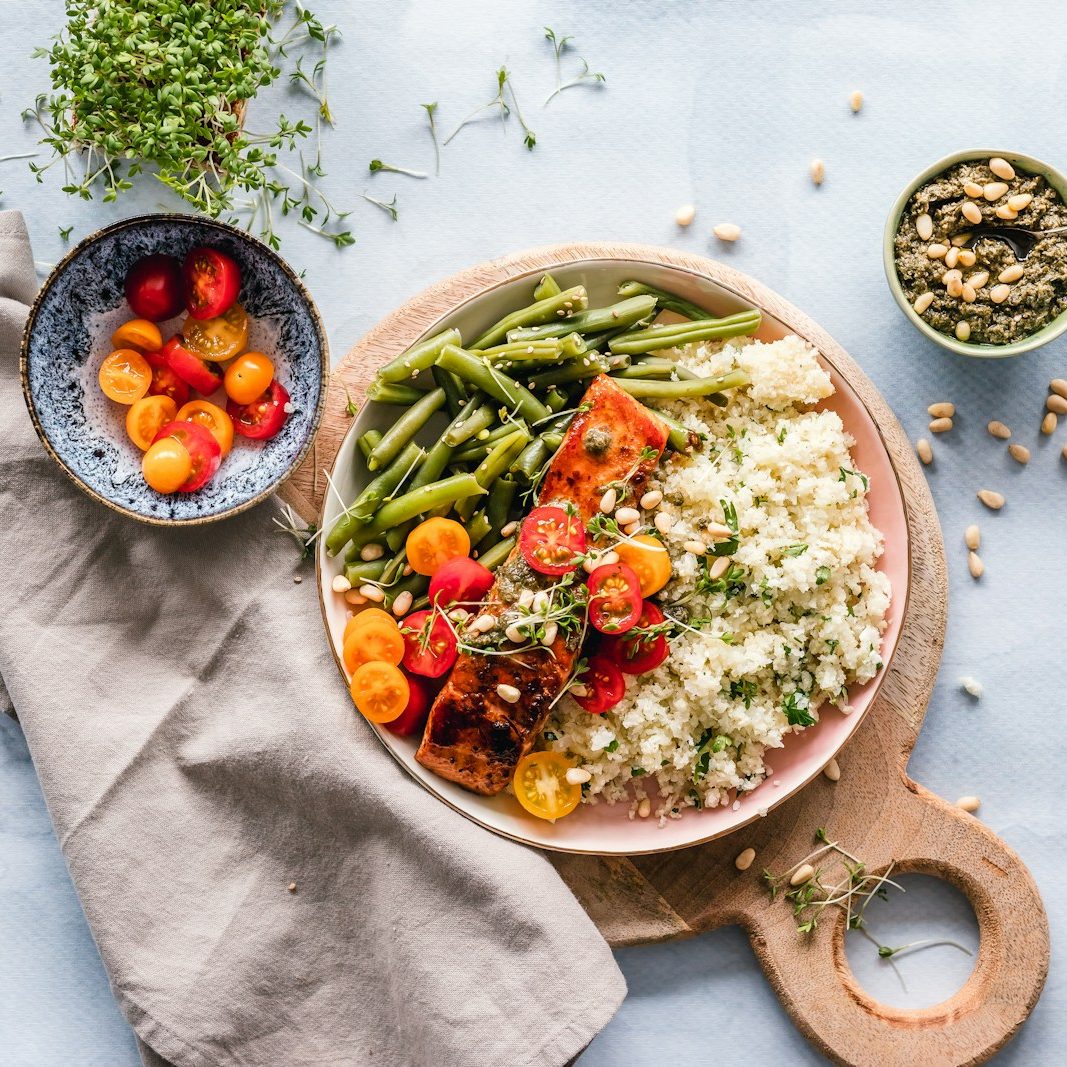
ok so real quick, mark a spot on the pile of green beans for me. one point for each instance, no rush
(508, 398)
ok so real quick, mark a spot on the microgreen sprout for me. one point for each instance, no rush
(305, 534)
(388, 207)
(351, 407)
(64, 232)
(377, 165)
(559, 44)
(431, 110)
(499, 104)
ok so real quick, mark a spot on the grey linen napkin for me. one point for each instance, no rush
(199, 753)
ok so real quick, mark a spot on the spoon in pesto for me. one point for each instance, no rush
(1020, 241)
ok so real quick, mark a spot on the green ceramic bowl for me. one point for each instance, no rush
(1026, 163)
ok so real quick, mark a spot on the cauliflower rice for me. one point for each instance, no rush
(797, 619)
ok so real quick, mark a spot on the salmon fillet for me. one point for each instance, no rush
(473, 737)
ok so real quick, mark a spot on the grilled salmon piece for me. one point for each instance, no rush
(473, 736)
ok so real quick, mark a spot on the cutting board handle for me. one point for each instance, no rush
(812, 976)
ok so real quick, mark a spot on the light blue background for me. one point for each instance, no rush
(724, 105)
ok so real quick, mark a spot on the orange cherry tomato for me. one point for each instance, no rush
(365, 616)
(167, 465)
(376, 641)
(139, 334)
(247, 377)
(434, 542)
(219, 338)
(380, 691)
(647, 557)
(541, 785)
(212, 418)
(147, 417)
(125, 376)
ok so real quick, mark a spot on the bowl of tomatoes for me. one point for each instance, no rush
(175, 368)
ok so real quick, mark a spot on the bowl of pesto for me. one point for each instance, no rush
(975, 252)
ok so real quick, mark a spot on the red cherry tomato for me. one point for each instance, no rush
(262, 418)
(636, 652)
(614, 598)
(413, 718)
(550, 540)
(604, 685)
(194, 371)
(164, 381)
(460, 580)
(212, 282)
(429, 644)
(154, 288)
(203, 449)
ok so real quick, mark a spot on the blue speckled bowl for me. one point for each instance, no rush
(68, 335)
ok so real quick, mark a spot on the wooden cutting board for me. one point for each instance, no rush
(876, 811)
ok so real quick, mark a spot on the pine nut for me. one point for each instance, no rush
(943, 409)
(818, 171)
(644, 808)
(971, 211)
(951, 275)
(526, 598)
(963, 330)
(355, 598)
(924, 227)
(652, 499)
(718, 532)
(971, 804)
(968, 293)
(577, 775)
(1057, 404)
(1005, 212)
(508, 693)
(1020, 201)
(664, 522)
(802, 874)
(402, 603)
(952, 256)
(954, 288)
(975, 565)
(1012, 273)
(459, 615)
(972, 537)
(1059, 386)
(991, 498)
(624, 516)
(940, 425)
(685, 214)
(937, 251)
(697, 548)
(926, 453)
(514, 634)
(998, 429)
(340, 584)
(832, 771)
(999, 293)
(372, 592)
(727, 231)
(371, 552)
(632, 528)
(1002, 168)
(994, 190)
(1019, 453)
(539, 602)
(855, 101)
(607, 501)
(1048, 424)
(979, 278)
(960, 239)
(551, 629)
(719, 567)
(967, 257)
(745, 859)
(972, 189)
(923, 302)
(509, 529)
(483, 624)
(609, 558)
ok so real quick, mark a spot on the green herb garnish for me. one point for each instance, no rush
(377, 165)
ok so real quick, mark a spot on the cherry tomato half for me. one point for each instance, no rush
(147, 417)
(376, 641)
(365, 616)
(264, 417)
(212, 282)
(429, 644)
(434, 542)
(460, 581)
(188, 366)
(247, 377)
(413, 718)
(220, 338)
(139, 334)
(154, 288)
(125, 376)
(380, 691)
(636, 652)
(203, 449)
(604, 685)
(648, 558)
(550, 540)
(212, 418)
(614, 598)
(164, 381)
(541, 785)
(166, 465)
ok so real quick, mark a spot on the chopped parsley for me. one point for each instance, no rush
(822, 575)
(795, 550)
(796, 708)
(612, 745)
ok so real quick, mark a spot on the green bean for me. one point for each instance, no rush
(680, 437)
(474, 370)
(624, 313)
(555, 400)
(667, 301)
(358, 573)
(586, 367)
(397, 537)
(476, 450)
(524, 351)
(473, 422)
(496, 555)
(455, 394)
(562, 305)
(530, 460)
(546, 287)
(500, 458)
(683, 333)
(676, 390)
(405, 428)
(368, 440)
(574, 344)
(478, 527)
(433, 466)
(655, 368)
(419, 357)
(501, 495)
(394, 569)
(420, 603)
(394, 393)
(553, 440)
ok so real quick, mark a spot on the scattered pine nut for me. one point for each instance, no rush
(972, 189)
(624, 516)
(924, 227)
(999, 293)
(1057, 404)
(975, 565)
(951, 275)
(802, 874)
(969, 804)
(960, 239)
(1019, 453)
(979, 278)
(402, 603)
(291, 887)
(832, 771)
(954, 287)
(1011, 274)
(340, 584)
(685, 214)
(968, 293)
(508, 693)
(371, 592)
(855, 101)
(697, 548)
(926, 453)
(952, 256)
(727, 231)
(963, 330)
(717, 531)
(940, 425)
(937, 250)
(607, 501)
(577, 775)
(744, 859)
(371, 552)
(1005, 212)
(1058, 386)
(972, 537)
(652, 499)
(1048, 424)
(1020, 201)
(991, 498)
(971, 686)
(923, 302)
(509, 529)
(994, 190)
(1002, 168)
(297, 579)
(644, 809)
(968, 257)
(971, 211)
(998, 429)
(719, 567)
(355, 598)
(818, 174)
(483, 624)
(632, 528)
(664, 522)
(941, 410)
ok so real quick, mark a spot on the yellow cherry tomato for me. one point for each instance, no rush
(125, 376)
(434, 542)
(376, 641)
(167, 465)
(219, 338)
(541, 785)
(147, 417)
(647, 557)
(380, 691)
(247, 377)
(212, 418)
(365, 616)
(140, 334)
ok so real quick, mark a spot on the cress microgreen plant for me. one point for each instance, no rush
(585, 75)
